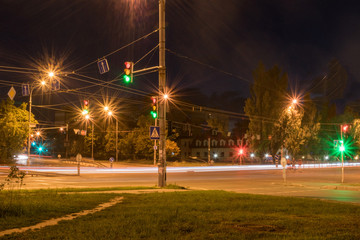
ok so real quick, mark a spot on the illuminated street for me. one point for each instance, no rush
(310, 182)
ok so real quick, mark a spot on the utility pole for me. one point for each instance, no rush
(162, 105)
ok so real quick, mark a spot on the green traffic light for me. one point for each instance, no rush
(126, 78)
(342, 148)
(153, 114)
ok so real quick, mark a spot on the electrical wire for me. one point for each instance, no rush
(119, 49)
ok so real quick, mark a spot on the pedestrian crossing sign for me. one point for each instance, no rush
(154, 133)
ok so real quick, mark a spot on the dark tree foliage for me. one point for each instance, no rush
(268, 94)
(13, 129)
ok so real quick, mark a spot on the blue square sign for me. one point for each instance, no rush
(154, 133)
(103, 66)
(25, 89)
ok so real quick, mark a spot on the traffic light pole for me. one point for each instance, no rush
(116, 141)
(342, 154)
(162, 104)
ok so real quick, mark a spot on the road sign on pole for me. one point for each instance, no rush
(25, 89)
(103, 66)
(12, 93)
(55, 85)
(154, 133)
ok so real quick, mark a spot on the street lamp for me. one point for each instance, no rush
(110, 113)
(51, 74)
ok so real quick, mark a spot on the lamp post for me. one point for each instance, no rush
(51, 74)
(92, 140)
(110, 114)
(29, 127)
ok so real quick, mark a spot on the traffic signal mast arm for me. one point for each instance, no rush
(47, 128)
(146, 69)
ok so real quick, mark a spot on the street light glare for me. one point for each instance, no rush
(166, 96)
(38, 133)
(87, 116)
(43, 82)
(294, 101)
(110, 113)
(51, 74)
(106, 108)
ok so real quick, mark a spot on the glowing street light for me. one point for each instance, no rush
(110, 114)
(51, 74)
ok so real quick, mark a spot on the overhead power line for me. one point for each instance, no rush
(119, 49)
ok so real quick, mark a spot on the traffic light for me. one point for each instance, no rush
(154, 107)
(241, 151)
(345, 128)
(86, 107)
(128, 72)
(342, 148)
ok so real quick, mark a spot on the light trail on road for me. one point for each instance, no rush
(94, 170)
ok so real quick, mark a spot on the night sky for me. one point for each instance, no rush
(222, 41)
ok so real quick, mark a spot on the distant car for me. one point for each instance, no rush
(269, 159)
(20, 157)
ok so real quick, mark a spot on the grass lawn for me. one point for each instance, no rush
(26, 208)
(209, 215)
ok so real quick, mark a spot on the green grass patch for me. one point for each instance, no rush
(26, 208)
(210, 215)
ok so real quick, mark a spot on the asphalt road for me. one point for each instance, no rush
(323, 183)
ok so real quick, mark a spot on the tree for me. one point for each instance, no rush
(219, 122)
(310, 122)
(292, 131)
(138, 144)
(172, 149)
(14, 129)
(265, 105)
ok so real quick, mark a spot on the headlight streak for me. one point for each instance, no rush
(153, 170)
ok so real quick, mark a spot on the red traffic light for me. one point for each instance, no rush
(128, 65)
(86, 102)
(153, 100)
(345, 128)
(241, 151)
